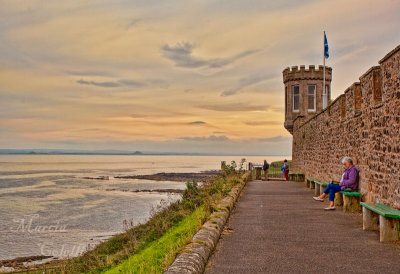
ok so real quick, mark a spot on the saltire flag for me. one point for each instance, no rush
(326, 47)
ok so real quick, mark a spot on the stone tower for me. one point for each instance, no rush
(304, 94)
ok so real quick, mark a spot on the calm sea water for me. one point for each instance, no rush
(47, 208)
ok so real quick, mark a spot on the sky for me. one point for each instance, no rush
(173, 76)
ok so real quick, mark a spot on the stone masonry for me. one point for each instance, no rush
(363, 123)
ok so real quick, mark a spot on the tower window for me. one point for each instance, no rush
(286, 97)
(326, 96)
(311, 97)
(296, 98)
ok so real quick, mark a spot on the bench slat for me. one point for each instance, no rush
(383, 210)
(321, 183)
(351, 193)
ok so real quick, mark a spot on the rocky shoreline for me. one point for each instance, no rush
(172, 176)
(23, 263)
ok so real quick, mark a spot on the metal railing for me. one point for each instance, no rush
(274, 171)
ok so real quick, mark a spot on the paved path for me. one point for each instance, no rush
(278, 228)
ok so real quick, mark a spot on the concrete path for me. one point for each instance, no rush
(276, 227)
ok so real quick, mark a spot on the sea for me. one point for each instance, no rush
(48, 208)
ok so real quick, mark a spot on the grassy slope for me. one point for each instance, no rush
(145, 239)
(160, 253)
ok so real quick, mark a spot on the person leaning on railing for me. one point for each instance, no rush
(349, 181)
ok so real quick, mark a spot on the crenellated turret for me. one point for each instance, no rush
(304, 94)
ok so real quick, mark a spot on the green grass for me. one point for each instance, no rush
(160, 253)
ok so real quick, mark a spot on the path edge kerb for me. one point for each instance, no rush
(194, 257)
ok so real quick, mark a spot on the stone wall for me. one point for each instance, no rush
(363, 123)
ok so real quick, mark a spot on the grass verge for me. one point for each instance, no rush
(161, 253)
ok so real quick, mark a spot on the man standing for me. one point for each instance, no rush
(265, 168)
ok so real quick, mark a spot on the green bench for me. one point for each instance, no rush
(309, 182)
(319, 187)
(383, 218)
(351, 201)
(298, 177)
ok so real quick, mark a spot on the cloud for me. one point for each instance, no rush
(211, 138)
(113, 84)
(131, 83)
(248, 81)
(218, 132)
(197, 123)
(275, 139)
(99, 84)
(234, 107)
(263, 123)
(181, 55)
(132, 23)
(89, 72)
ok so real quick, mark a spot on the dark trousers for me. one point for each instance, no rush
(331, 189)
(286, 173)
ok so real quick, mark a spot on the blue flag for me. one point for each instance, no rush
(326, 47)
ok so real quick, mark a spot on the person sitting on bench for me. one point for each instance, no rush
(349, 181)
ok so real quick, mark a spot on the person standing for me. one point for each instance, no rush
(286, 169)
(265, 168)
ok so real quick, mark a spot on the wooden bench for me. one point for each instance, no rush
(383, 218)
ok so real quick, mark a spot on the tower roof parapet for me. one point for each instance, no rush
(302, 73)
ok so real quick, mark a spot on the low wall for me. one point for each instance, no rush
(363, 123)
(194, 257)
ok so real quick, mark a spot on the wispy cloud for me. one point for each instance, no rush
(237, 107)
(132, 23)
(89, 72)
(248, 81)
(182, 55)
(99, 84)
(211, 138)
(263, 123)
(113, 84)
(197, 123)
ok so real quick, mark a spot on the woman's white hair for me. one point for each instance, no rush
(347, 160)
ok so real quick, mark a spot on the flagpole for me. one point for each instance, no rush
(323, 87)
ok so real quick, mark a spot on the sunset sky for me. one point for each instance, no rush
(173, 76)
